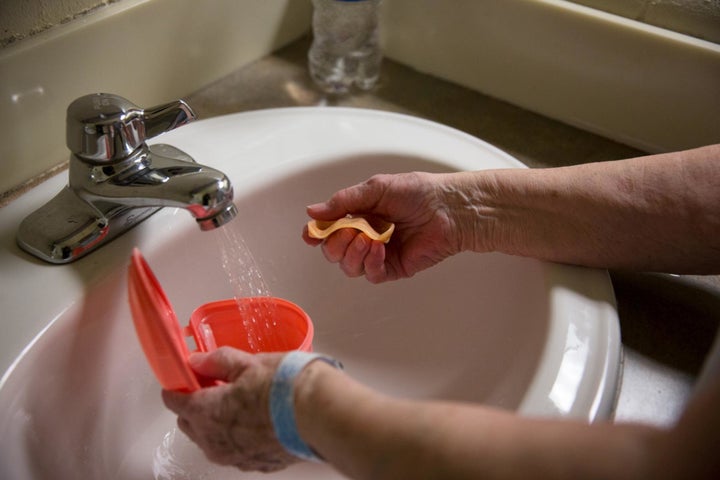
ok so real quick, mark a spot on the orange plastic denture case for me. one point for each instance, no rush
(253, 324)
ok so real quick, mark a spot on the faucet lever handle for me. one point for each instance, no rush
(166, 117)
(105, 128)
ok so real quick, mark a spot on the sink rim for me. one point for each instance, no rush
(74, 278)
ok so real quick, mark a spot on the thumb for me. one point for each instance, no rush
(360, 198)
(325, 211)
(224, 364)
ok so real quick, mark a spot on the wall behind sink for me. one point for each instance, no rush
(149, 51)
(20, 19)
(699, 18)
(648, 87)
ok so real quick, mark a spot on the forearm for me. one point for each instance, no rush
(369, 436)
(651, 213)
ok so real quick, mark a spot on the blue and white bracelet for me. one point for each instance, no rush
(282, 405)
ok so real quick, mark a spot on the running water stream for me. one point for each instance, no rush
(246, 280)
(177, 458)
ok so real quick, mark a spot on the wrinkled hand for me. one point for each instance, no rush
(424, 235)
(231, 422)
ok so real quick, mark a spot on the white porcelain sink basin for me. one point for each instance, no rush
(79, 401)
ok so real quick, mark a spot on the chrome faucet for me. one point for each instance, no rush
(116, 180)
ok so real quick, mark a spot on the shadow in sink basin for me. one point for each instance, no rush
(448, 332)
(82, 402)
(66, 401)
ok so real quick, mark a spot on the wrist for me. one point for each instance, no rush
(473, 200)
(282, 400)
(315, 399)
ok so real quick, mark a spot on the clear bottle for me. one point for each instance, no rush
(346, 50)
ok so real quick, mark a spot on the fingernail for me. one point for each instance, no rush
(195, 359)
(360, 242)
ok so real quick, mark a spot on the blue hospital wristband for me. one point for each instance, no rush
(282, 405)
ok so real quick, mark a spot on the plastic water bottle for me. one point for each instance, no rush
(345, 51)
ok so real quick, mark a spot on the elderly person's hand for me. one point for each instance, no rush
(231, 422)
(424, 209)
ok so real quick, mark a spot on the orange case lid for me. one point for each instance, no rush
(278, 325)
(158, 329)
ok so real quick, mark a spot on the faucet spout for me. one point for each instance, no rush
(159, 176)
(116, 180)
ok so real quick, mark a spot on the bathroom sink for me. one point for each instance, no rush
(78, 400)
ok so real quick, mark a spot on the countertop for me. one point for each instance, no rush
(667, 322)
